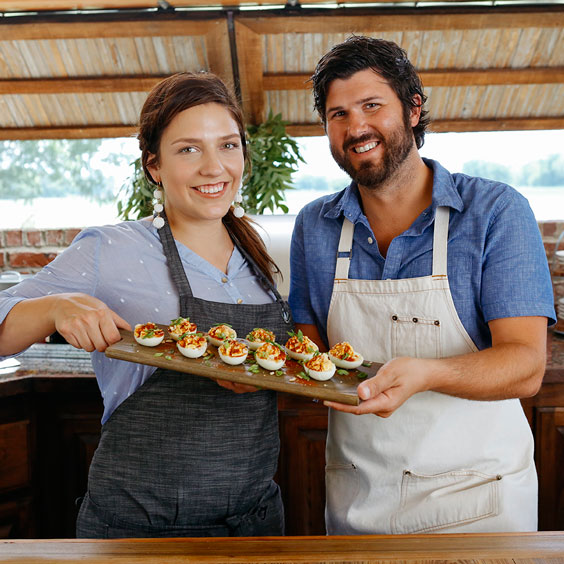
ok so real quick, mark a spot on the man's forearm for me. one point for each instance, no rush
(509, 370)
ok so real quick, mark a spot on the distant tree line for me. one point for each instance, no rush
(55, 168)
(544, 172)
(62, 167)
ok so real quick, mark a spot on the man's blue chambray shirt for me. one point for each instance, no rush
(497, 265)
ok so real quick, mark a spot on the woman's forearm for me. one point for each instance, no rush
(29, 321)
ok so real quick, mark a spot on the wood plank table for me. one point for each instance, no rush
(494, 548)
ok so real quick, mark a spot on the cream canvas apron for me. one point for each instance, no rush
(438, 463)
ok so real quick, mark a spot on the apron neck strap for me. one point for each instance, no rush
(344, 252)
(174, 262)
(440, 241)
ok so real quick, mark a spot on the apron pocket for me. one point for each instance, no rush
(416, 337)
(342, 486)
(432, 502)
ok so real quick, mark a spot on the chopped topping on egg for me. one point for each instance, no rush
(147, 331)
(320, 363)
(344, 351)
(181, 325)
(192, 341)
(222, 331)
(271, 351)
(233, 348)
(301, 343)
(260, 335)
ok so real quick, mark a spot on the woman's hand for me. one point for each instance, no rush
(235, 387)
(86, 322)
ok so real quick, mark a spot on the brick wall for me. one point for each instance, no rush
(551, 231)
(28, 250)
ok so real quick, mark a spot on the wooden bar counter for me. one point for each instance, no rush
(524, 548)
(50, 426)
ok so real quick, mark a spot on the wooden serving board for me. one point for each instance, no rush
(340, 388)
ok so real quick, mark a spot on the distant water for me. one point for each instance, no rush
(75, 211)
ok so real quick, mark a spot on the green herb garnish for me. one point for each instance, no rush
(343, 372)
(361, 375)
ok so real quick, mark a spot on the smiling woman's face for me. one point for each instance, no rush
(200, 164)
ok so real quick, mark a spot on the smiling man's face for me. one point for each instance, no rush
(367, 128)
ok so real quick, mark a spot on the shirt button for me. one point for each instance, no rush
(370, 240)
(224, 280)
(239, 301)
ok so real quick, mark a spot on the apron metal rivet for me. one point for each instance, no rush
(394, 317)
(437, 322)
(499, 477)
(415, 320)
(407, 473)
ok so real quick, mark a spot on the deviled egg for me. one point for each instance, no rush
(181, 326)
(300, 346)
(257, 337)
(232, 351)
(219, 332)
(270, 356)
(148, 334)
(320, 367)
(343, 356)
(192, 346)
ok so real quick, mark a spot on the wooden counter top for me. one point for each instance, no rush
(523, 548)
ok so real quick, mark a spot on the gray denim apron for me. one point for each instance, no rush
(183, 456)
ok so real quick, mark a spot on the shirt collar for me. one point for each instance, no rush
(444, 194)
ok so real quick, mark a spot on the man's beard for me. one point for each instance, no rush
(370, 174)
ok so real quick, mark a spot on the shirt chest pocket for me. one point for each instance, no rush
(417, 337)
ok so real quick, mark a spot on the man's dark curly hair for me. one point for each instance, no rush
(387, 59)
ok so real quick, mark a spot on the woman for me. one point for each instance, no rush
(179, 455)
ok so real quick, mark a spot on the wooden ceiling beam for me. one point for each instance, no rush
(446, 77)
(344, 21)
(249, 55)
(61, 5)
(295, 130)
(80, 85)
(453, 125)
(220, 63)
(219, 52)
(82, 29)
(69, 132)
(503, 124)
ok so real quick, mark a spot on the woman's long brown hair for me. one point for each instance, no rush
(174, 95)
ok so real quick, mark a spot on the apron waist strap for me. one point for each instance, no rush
(266, 517)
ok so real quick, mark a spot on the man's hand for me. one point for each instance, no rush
(513, 367)
(393, 384)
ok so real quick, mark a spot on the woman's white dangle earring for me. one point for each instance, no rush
(158, 221)
(238, 210)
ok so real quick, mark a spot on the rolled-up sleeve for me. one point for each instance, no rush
(515, 275)
(74, 270)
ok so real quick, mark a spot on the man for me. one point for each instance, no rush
(442, 277)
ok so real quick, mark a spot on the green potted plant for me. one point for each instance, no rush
(274, 156)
